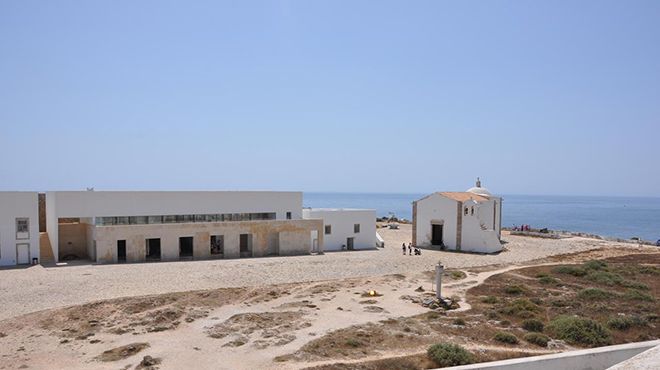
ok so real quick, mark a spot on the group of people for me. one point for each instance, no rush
(521, 228)
(418, 252)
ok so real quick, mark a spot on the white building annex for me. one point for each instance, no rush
(140, 226)
(19, 227)
(345, 229)
(467, 221)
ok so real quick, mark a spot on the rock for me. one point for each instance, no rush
(420, 289)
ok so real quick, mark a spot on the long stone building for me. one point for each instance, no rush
(140, 226)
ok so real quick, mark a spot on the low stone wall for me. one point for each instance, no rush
(589, 359)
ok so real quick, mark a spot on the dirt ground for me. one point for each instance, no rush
(330, 324)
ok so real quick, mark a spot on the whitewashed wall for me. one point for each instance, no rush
(478, 234)
(342, 222)
(436, 208)
(18, 205)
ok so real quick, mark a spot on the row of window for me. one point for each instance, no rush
(328, 229)
(172, 219)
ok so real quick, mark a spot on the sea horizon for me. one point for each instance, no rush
(622, 217)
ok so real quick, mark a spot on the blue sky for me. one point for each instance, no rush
(555, 97)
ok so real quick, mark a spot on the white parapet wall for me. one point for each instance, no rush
(342, 226)
(589, 359)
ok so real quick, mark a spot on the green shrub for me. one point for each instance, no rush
(605, 278)
(520, 307)
(623, 323)
(490, 299)
(457, 275)
(459, 321)
(504, 337)
(533, 325)
(447, 354)
(548, 280)
(595, 265)
(353, 342)
(514, 289)
(505, 323)
(636, 295)
(649, 270)
(578, 330)
(593, 294)
(634, 285)
(570, 270)
(538, 339)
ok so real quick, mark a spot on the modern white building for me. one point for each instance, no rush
(469, 221)
(19, 228)
(136, 226)
(345, 229)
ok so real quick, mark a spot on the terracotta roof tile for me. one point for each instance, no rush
(463, 196)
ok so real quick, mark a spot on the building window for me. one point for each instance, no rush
(288, 215)
(22, 228)
(356, 228)
(328, 229)
(466, 211)
(472, 211)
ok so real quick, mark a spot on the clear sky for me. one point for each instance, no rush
(554, 97)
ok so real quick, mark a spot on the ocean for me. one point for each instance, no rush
(618, 217)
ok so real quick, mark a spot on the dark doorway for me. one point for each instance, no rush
(246, 245)
(186, 247)
(153, 249)
(349, 243)
(217, 246)
(436, 234)
(121, 250)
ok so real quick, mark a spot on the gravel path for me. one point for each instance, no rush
(38, 288)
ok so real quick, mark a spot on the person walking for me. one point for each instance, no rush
(404, 248)
(410, 249)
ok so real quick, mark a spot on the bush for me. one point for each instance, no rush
(634, 285)
(548, 280)
(595, 265)
(636, 295)
(577, 330)
(353, 342)
(533, 325)
(513, 289)
(538, 339)
(504, 337)
(593, 294)
(521, 307)
(570, 270)
(605, 278)
(459, 321)
(623, 323)
(490, 299)
(447, 354)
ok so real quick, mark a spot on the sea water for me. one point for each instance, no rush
(620, 217)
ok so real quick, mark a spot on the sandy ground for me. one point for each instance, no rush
(244, 328)
(37, 288)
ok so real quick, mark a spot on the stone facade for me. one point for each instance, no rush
(274, 237)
